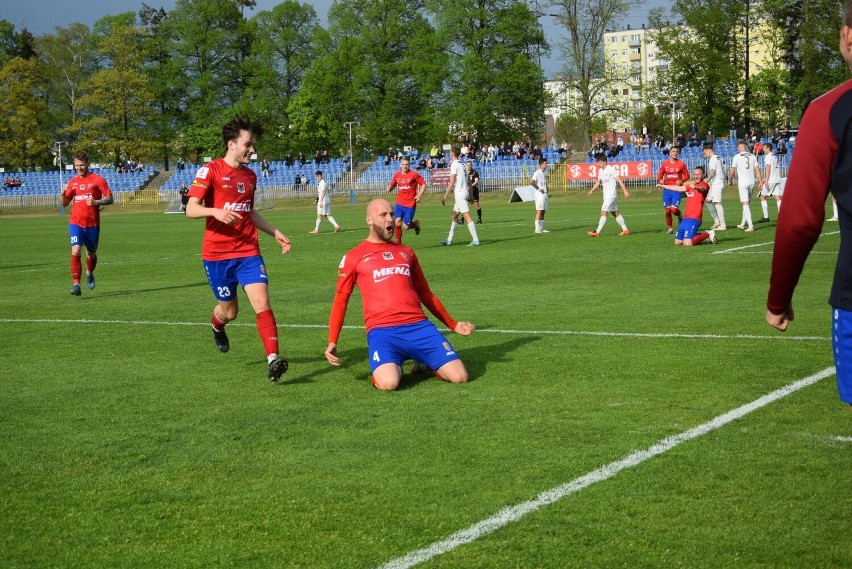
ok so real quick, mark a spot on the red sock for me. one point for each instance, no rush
(91, 263)
(700, 237)
(397, 234)
(268, 331)
(76, 268)
(669, 217)
(676, 211)
(218, 324)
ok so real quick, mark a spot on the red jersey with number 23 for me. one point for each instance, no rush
(79, 189)
(407, 184)
(220, 186)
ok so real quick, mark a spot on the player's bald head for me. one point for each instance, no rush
(376, 207)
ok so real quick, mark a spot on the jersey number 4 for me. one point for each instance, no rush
(376, 357)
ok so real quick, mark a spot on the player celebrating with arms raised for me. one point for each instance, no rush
(673, 172)
(393, 288)
(411, 187)
(89, 192)
(223, 193)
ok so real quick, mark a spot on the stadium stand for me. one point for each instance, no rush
(47, 183)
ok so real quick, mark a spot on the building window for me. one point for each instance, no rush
(625, 91)
(613, 39)
(614, 54)
(623, 39)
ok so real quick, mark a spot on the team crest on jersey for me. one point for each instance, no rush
(387, 256)
(202, 173)
(405, 256)
(241, 188)
(447, 346)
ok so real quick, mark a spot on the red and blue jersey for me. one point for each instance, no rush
(407, 184)
(79, 189)
(393, 288)
(673, 173)
(220, 186)
(695, 196)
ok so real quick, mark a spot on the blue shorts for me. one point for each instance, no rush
(841, 343)
(85, 236)
(420, 341)
(224, 276)
(404, 213)
(687, 228)
(671, 198)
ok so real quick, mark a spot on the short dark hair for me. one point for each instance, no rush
(702, 169)
(767, 145)
(847, 14)
(82, 156)
(542, 160)
(318, 173)
(741, 141)
(231, 130)
(708, 146)
(600, 157)
(455, 151)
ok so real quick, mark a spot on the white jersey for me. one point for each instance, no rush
(322, 189)
(323, 199)
(460, 172)
(540, 180)
(771, 162)
(714, 164)
(607, 176)
(745, 163)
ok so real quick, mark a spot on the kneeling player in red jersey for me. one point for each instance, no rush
(696, 193)
(393, 288)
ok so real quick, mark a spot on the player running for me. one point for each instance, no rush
(673, 172)
(88, 192)
(223, 193)
(411, 187)
(607, 178)
(696, 192)
(458, 185)
(393, 288)
(323, 204)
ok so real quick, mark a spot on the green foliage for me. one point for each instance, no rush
(494, 89)
(574, 128)
(24, 136)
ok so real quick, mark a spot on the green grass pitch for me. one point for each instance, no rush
(128, 440)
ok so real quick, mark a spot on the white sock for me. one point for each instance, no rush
(620, 221)
(778, 203)
(721, 211)
(601, 224)
(452, 230)
(765, 207)
(472, 228)
(713, 213)
(331, 219)
(537, 225)
(834, 208)
(747, 216)
(541, 224)
(271, 357)
(319, 219)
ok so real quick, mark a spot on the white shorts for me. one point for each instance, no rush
(715, 193)
(773, 189)
(461, 205)
(609, 201)
(540, 201)
(324, 207)
(745, 192)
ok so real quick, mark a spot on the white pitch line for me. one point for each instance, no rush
(516, 512)
(479, 330)
(843, 439)
(761, 245)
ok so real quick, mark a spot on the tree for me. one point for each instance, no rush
(116, 112)
(585, 22)
(494, 89)
(24, 133)
(68, 60)
(209, 40)
(372, 67)
(281, 55)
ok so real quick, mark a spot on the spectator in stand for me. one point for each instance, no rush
(301, 159)
(711, 138)
(288, 160)
(693, 129)
(326, 159)
(732, 129)
(264, 168)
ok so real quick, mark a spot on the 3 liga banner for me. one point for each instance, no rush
(625, 170)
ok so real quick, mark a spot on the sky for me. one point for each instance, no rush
(43, 16)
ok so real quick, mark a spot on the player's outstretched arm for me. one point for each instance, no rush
(269, 229)
(464, 328)
(780, 321)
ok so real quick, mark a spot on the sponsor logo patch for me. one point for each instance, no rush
(202, 173)
(385, 273)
